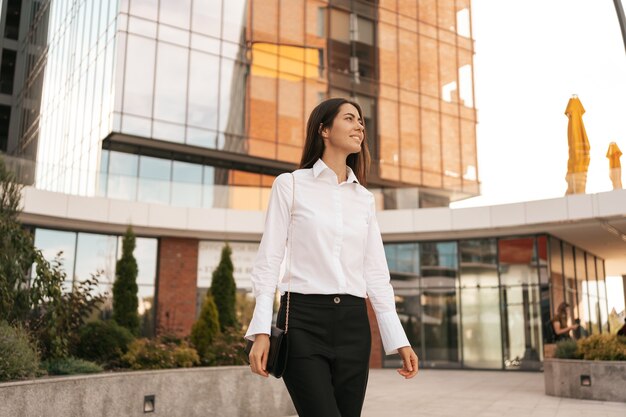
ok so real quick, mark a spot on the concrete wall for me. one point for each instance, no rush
(608, 379)
(220, 391)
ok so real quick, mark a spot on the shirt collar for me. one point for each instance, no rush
(320, 166)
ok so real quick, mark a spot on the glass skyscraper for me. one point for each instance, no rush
(222, 89)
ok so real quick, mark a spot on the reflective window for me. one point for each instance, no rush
(480, 306)
(440, 302)
(171, 83)
(186, 185)
(602, 296)
(594, 301)
(147, 9)
(154, 180)
(520, 298)
(51, 243)
(556, 274)
(139, 78)
(122, 175)
(175, 12)
(234, 20)
(206, 17)
(203, 91)
(232, 97)
(95, 253)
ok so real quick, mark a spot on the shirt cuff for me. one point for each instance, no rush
(262, 317)
(391, 332)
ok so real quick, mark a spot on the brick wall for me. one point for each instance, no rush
(176, 288)
(376, 355)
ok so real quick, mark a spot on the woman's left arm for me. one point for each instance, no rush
(380, 293)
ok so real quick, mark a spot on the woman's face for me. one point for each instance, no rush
(347, 133)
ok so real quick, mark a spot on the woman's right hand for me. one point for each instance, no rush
(259, 353)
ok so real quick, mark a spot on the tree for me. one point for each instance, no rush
(41, 306)
(206, 329)
(17, 251)
(125, 288)
(223, 289)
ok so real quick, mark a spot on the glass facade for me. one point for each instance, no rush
(239, 77)
(84, 254)
(482, 303)
(67, 97)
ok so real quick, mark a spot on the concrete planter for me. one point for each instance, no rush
(220, 391)
(589, 380)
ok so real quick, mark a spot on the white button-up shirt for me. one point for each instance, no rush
(336, 248)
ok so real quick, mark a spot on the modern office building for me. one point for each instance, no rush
(176, 115)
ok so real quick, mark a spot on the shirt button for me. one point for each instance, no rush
(337, 300)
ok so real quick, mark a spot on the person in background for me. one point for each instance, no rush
(559, 323)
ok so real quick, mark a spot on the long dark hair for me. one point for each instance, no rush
(324, 114)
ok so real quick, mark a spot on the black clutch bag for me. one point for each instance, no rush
(277, 357)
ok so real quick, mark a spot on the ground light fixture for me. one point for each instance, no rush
(148, 404)
(585, 381)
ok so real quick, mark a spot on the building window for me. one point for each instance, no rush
(5, 117)
(84, 254)
(12, 27)
(7, 71)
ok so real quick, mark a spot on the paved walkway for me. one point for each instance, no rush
(441, 393)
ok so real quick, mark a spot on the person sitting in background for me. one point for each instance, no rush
(580, 332)
(622, 331)
(559, 323)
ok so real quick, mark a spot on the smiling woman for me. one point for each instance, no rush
(338, 261)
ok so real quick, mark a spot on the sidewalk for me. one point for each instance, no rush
(442, 393)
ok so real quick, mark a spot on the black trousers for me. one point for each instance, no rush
(329, 347)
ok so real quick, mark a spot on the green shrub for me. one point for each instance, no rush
(125, 288)
(226, 349)
(567, 349)
(104, 342)
(606, 347)
(154, 354)
(205, 330)
(223, 289)
(19, 358)
(70, 366)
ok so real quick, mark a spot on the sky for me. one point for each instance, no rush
(531, 56)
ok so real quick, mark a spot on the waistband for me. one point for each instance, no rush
(336, 300)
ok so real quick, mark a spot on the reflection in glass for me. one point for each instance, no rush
(144, 8)
(480, 307)
(602, 296)
(439, 301)
(521, 303)
(186, 185)
(233, 80)
(139, 78)
(122, 175)
(51, 242)
(170, 90)
(594, 301)
(206, 17)
(203, 88)
(154, 180)
(175, 12)
(557, 285)
(95, 253)
(234, 20)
